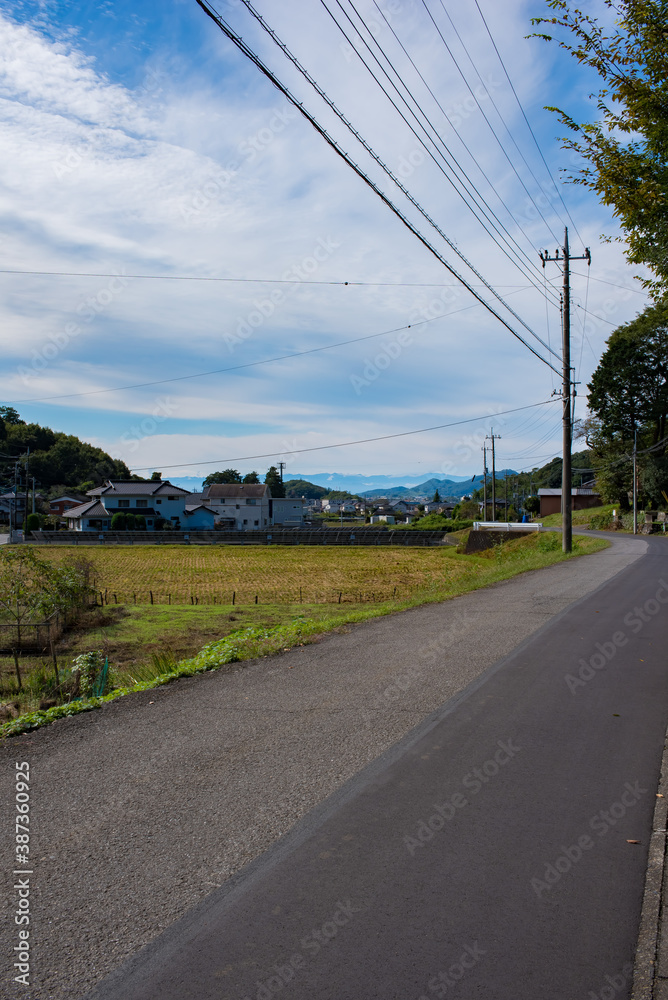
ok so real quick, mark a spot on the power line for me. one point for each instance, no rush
(347, 444)
(447, 117)
(602, 281)
(482, 112)
(345, 121)
(528, 123)
(434, 137)
(249, 364)
(266, 281)
(241, 45)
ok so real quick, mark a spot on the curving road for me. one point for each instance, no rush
(483, 785)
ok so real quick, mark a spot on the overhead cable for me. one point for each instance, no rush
(490, 218)
(248, 52)
(351, 128)
(533, 135)
(348, 444)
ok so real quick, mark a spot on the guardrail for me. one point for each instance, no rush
(505, 526)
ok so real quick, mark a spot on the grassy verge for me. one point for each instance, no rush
(582, 518)
(152, 637)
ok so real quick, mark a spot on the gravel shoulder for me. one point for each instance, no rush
(142, 808)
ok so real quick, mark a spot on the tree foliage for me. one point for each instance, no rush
(252, 479)
(226, 476)
(302, 488)
(57, 458)
(628, 397)
(626, 149)
(273, 481)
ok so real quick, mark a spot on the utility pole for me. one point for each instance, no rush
(567, 423)
(506, 496)
(281, 466)
(635, 481)
(484, 478)
(493, 437)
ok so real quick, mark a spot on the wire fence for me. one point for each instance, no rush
(31, 636)
(233, 598)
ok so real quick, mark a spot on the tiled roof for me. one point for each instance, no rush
(118, 487)
(192, 507)
(91, 509)
(235, 491)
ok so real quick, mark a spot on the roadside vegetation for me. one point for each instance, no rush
(149, 645)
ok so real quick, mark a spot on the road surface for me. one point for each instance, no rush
(482, 851)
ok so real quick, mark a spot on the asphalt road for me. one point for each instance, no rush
(498, 852)
(142, 809)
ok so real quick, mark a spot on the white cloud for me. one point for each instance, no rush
(218, 177)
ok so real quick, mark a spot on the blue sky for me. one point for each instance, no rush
(138, 141)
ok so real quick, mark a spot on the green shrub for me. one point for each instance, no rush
(140, 522)
(130, 521)
(87, 668)
(118, 522)
(33, 522)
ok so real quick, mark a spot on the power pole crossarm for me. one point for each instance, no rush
(566, 485)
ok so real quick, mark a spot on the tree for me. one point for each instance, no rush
(273, 481)
(628, 400)
(118, 521)
(302, 488)
(252, 478)
(156, 477)
(437, 498)
(532, 505)
(468, 510)
(626, 148)
(31, 589)
(10, 415)
(227, 476)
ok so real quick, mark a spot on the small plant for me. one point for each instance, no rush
(87, 669)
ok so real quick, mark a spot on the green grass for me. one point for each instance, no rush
(581, 518)
(151, 645)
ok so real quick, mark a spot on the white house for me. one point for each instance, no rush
(250, 506)
(156, 501)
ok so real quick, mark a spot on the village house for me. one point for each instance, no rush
(550, 500)
(156, 501)
(250, 506)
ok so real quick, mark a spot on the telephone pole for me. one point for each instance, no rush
(281, 466)
(567, 423)
(493, 437)
(484, 479)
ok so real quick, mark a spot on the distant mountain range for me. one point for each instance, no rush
(393, 487)
(448, 489)
(335, 481)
